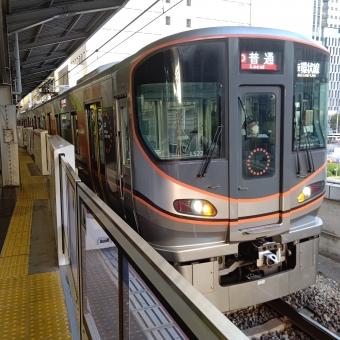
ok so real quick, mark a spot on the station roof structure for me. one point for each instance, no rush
(47, 32)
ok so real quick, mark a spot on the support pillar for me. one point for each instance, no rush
(9, 153)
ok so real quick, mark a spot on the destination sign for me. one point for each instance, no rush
(308, 69)
(63, 102)
(261, 60)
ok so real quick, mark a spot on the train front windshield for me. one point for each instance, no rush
(179, 101)
(311, 98)
(179, 98)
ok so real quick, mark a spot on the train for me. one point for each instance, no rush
(211, 144)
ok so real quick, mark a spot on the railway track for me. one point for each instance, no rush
(299, 319)
(302, 319)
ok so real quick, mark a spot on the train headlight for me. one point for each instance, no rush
(195, 207)
(311, 190)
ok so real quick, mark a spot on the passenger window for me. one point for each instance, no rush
(125, 136)
(65, 126)
(97, 133)
(74, 128)
(93, 133)
(42, 123)
(101, 136)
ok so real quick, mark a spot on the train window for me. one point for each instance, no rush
(97, 133)
(178, 97)
(57, 118)
(101, 136)
(125, 136)
(311, 98)
(48, 123)
(258, 134)
(42, 123)
(93, 132)
(75, 134)
(65, 126)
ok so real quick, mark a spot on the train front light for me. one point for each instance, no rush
(310, 191)
(195, 207)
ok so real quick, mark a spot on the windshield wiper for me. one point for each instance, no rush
(297, 145)
(205, 165)
(309, 151)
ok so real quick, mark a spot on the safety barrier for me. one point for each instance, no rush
(330, 214)
(120, 286)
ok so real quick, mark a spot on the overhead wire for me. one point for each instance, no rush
(120, 31)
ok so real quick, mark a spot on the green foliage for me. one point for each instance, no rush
(333, 122)
(329, 173)
(331, 168)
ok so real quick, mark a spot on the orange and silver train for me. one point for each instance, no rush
(212, 145)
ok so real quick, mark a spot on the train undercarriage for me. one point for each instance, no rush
(262, 270)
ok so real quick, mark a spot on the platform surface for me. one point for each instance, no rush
(32, 303)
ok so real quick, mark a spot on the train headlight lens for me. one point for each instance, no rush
(195, 207)
(311, 191)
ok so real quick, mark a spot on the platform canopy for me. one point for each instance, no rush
(46, 32)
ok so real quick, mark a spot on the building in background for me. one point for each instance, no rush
(326, 29)
(140, 23)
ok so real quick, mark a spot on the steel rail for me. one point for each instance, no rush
(303, 322)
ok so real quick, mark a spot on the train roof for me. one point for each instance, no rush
(197, 35)
(233, 32)
(213, 32)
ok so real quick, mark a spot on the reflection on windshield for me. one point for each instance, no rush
(179, 130)
(311, 99)
(178, 97)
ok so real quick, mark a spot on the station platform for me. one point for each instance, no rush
(32, 300)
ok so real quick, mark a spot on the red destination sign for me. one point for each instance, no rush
(267, 61)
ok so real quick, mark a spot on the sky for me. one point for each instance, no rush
(141, 22)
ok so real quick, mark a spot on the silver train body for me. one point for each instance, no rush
(211, 144)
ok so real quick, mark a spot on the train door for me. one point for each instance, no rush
(124, 160)
(258, 158)
(97, 148)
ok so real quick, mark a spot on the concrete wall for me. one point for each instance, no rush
(330, 214)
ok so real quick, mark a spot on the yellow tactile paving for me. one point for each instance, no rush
(44, 293)
(12, 314)
(7, 272)
(47, 328)
(14, 331)
(31, 306)
(13, 261)
(13, 283)
(12, 298)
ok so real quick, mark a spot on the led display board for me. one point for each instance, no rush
(261, 60)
